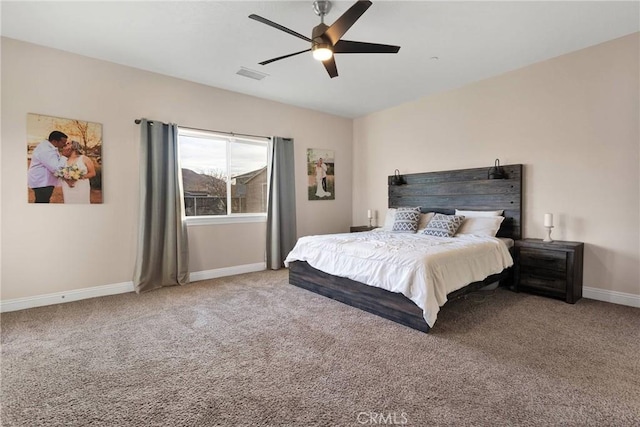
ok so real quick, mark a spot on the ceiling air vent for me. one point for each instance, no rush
(252, 74)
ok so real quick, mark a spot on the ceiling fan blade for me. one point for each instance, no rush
(342, 24)
(278, 26)
(269, 61)
(330, 65)
(347, 46)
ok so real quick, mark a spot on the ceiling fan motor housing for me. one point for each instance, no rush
(318, 37)
(320, 43)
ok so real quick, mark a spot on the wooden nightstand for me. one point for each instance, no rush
(549, 268)
(359, 228)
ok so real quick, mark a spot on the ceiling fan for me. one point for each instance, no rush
(326, 40)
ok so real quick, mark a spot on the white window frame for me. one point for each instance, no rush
(233, 218)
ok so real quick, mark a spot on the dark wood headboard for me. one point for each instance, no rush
(468, 189)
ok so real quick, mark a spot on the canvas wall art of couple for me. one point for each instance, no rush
(60, 168)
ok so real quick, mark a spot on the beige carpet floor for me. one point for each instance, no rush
(254, 350)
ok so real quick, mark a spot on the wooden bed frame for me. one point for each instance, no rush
(443, 192)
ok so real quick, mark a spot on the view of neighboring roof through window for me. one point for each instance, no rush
(224, 177)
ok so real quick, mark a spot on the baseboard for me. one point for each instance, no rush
(113, 289)
(615, 297)
(227, 271)
(121, 288)
(67, 296)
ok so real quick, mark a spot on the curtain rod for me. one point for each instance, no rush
(138, 121)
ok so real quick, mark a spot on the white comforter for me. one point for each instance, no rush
(423, 268)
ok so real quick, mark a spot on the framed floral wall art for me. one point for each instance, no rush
(320, 171)
(64, 160)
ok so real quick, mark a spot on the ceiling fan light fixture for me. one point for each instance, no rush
(322, 51)
(326, 40)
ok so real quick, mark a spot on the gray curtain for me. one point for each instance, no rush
(163, 253)
(281, 208)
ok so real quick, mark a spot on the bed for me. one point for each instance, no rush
(441, 192)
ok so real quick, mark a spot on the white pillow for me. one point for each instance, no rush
(479, 213)
(424, 220)
(481, 226)
(389, 219)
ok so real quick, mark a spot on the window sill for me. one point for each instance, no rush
(212, 220)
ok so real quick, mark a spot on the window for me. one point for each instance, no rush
(223, 177)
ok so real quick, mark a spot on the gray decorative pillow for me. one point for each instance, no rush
(406, 220)
(443, 225)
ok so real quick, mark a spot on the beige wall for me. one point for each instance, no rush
(573, 121)
(56, 248)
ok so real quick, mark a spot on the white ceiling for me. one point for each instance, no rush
(208, 41)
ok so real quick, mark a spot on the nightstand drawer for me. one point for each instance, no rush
(543, 272)
(545, 282)
(534, 259)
